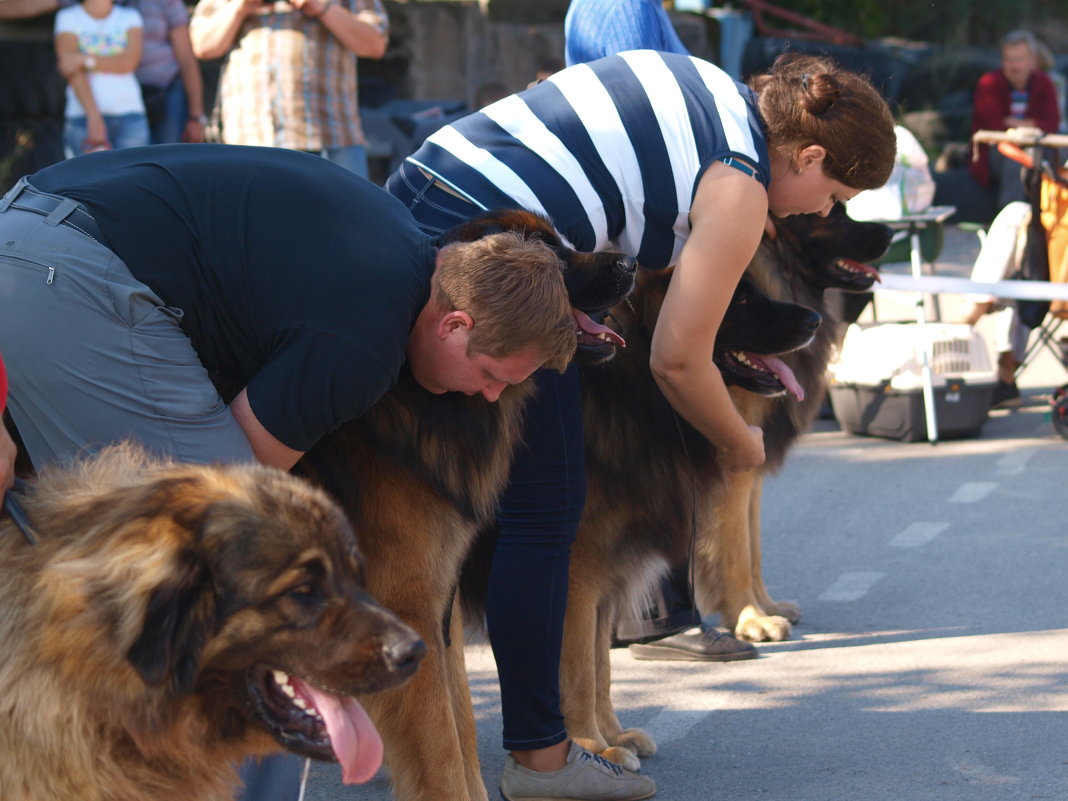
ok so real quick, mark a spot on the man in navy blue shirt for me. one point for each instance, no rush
(137, 281)
(141, 286)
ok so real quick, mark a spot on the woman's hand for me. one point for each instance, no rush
(747, 455)
(70, 64)
(96, 137)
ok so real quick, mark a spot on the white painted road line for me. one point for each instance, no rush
(669, 725)
(918, 534)
(973, 491)
(850, 586)
(1012, 463)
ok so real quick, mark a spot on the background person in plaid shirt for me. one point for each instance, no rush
(289, 79)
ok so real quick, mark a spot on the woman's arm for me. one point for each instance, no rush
(72, 60)
(20, 9)
(189, 69)
(363, 32)
(67, 54)
(214, 26)
(727, 220)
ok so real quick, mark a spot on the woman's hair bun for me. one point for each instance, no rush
(819, 91)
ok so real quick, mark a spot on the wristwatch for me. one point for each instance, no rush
(90, 63)
(202, 119)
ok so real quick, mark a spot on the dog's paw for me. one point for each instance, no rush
(623, 757)
(592, 745)
(766, 628)
(636, 741)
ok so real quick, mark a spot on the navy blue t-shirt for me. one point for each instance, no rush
(296, 277)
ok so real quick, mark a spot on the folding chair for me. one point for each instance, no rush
(1054, 219)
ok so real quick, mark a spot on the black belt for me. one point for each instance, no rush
(76, 216)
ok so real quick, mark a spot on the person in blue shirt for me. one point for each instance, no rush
(594, 29)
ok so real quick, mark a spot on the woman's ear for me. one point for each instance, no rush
(811, 155)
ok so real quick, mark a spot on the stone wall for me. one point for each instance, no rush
(449, 50)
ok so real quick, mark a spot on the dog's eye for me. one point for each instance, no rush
(304, 593)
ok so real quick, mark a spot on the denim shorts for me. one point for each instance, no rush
(124, 130)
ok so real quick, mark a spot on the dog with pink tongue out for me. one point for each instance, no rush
(353, 738)
(168, 620)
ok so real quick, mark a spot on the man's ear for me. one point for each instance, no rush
(452, 321)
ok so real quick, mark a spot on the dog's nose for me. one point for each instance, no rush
(629, 266)
(812, 320)
(404, 655)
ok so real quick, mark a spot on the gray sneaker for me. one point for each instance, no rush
(585, 777)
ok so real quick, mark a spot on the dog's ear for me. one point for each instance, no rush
(179, 617)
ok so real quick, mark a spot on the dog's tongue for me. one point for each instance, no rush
(781, 371)
(353, 737)
(588, 326)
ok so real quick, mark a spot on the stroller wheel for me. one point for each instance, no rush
(1059, 411)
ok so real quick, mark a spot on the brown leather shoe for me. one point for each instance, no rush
(695, 645)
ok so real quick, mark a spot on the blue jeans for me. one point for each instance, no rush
(170, 128)
(124, 130)
(352, 157)
(538, 518)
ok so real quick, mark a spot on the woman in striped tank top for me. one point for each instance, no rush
(662, 156)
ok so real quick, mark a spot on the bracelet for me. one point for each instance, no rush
(326, 7)
(202, 119)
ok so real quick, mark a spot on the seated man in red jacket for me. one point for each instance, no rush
(1015, 96)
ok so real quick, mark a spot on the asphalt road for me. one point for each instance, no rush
(931, 663)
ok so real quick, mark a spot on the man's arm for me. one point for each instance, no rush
(1043, 106)
(189, 69)
(214, 26)
(364, 32)
(267, 448)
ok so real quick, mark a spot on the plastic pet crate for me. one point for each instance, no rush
(876, 383)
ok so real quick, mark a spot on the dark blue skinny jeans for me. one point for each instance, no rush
(538, 518)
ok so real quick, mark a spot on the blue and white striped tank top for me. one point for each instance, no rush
(610, 151)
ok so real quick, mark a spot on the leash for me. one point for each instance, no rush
(18, 514)
(692, 550)
(304, 779)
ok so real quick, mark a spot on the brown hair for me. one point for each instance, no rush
(513, 288)
(807, 100)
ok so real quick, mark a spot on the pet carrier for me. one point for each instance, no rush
(876, 385)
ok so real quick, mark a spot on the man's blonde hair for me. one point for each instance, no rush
(513, 288)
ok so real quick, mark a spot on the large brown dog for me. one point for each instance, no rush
(809, 255)
(650, 478)
(649, 475)
(172, 619)
(420, 475)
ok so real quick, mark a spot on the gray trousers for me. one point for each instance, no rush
(94, 357)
